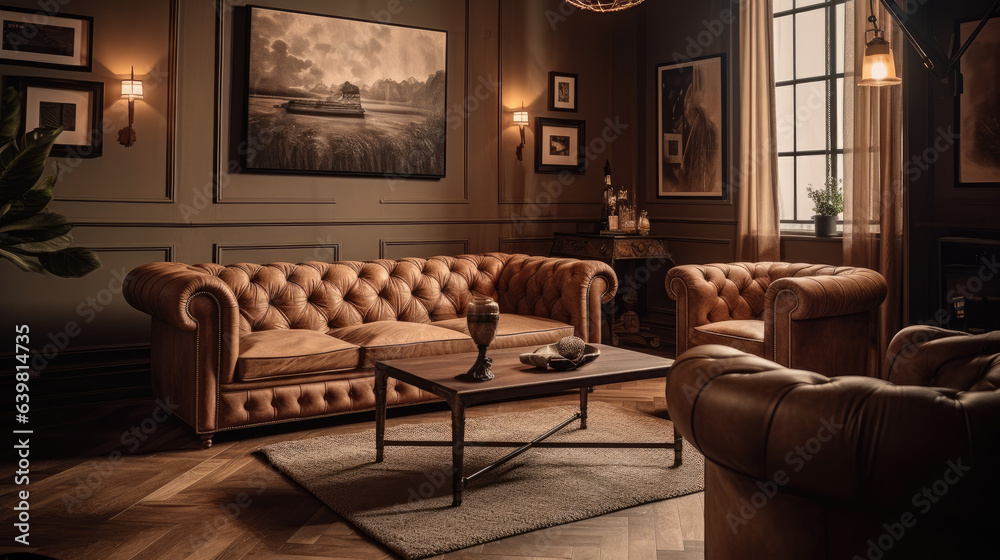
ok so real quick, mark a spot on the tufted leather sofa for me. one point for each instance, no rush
(801, 465)
(807, 316)
(250, 344)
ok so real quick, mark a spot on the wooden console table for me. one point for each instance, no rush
(613, 249)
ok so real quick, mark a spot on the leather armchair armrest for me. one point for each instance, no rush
(851, 439)
(567, 290)
(165, 290)
(812, 297)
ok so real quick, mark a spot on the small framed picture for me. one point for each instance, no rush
(75, 105)
(35, 38)
(562, 91)
(559, 145)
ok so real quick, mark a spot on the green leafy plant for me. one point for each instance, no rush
(34, 239)
(828, 201)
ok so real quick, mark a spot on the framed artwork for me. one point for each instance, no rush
(977, 110)
(691, 129)
(559, 145)
(562, 91)
(333, 95)
(76, 106)
(34, 38)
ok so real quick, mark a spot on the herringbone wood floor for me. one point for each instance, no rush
(98, 492)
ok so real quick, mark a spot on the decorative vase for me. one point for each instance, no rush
(826, 226)
(644, 223)
(483, 316)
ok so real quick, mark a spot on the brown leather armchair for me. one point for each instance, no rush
(807, 316)
(802, 466)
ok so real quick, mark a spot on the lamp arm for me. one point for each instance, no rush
(968, 43)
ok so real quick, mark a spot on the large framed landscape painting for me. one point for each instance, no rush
(978, 109)
(691, 128)
(342, 96)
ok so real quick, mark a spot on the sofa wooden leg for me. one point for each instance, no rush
(206, 440)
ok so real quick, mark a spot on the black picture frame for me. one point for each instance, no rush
(76, 104)
(266, 142)
(559, 145)
(61, 42)
(977, 147)
(563, 91)
(692, 128)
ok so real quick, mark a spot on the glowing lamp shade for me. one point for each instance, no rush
(521, 118)
(131, 89)
(879, 67)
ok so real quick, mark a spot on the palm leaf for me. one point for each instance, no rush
(24, 170)
(10, 120)
(70, 263)
(27, 264)
(33, 202)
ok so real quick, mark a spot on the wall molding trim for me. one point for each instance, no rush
(218, 249)
(384, 244)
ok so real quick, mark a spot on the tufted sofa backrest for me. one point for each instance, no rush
(741, 287)
(324, 296)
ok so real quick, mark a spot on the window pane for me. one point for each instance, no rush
(784, 62)
(811, 173)
(804, 3)
(810, 44)
(785, 105)
(840, 113)
(786, 188)
(839, 36)
(810, 116)
(782, 5)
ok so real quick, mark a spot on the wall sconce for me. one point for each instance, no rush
(131, 90)
(521, 120)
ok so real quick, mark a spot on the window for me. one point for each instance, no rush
(809, 76)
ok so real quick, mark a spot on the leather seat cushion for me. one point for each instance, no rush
(745, 335)
(517, 330)
(389, 340)
(279, 352)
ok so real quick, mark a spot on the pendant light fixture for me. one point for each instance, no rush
(879, 66)
(604, 5)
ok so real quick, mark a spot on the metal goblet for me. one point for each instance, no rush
(483, 316)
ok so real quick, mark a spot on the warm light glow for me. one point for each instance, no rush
(879, 67)
(604, 5)
(520, 118)
(132, 89)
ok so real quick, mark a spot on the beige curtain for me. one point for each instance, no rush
(874, 175)
(757, 203)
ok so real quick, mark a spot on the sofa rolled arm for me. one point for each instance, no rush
(563, 289)
(813, 297)
(853, 439)
(164, 290)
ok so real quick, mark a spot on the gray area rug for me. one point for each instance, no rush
(405, 502)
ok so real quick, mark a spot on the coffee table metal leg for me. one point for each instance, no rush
(678, 449)
(457, 452)
(381, 381)
(584, 392)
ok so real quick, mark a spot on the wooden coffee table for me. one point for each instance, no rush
(514, 380)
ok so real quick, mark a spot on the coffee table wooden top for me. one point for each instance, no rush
(437, 374)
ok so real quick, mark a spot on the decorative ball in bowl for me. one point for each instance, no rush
(569, 353)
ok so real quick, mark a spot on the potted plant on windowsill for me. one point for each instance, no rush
(828, 203)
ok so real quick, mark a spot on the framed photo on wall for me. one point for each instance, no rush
(562, 91)
(559, 145)
(339, 96)
(34, 38)
(75, 105)
(691, 129)
(977, 110)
